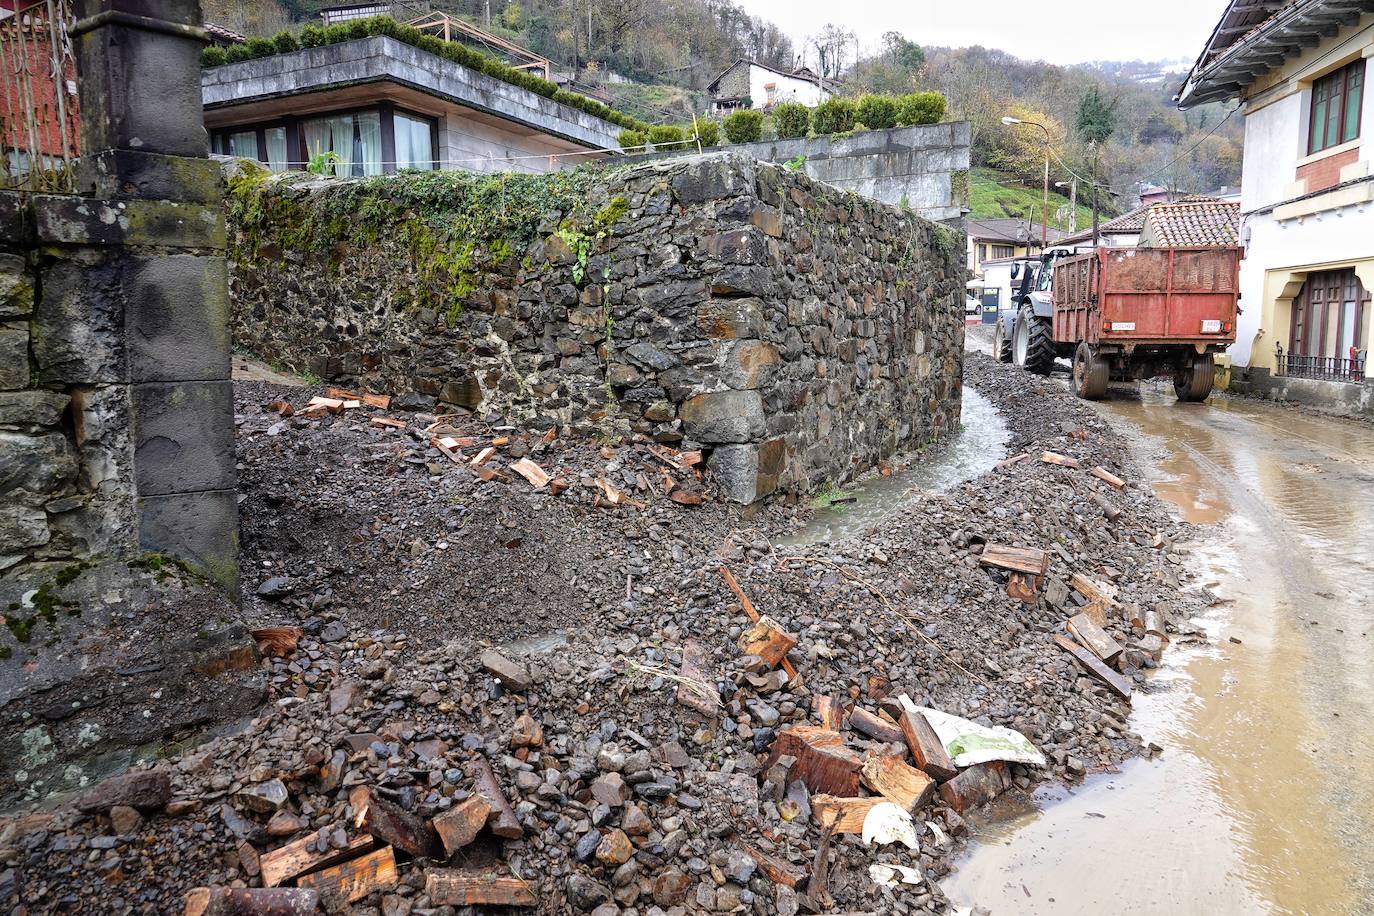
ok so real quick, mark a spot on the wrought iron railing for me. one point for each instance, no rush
(1327, 368)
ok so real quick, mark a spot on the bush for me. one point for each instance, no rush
(791, 119)
(667, 136)
(743, 126)
(312, 36)
(213, 56)
(236, 53)
(920, 108)
(285, 43)
(261, 47)
(877, 112)
(632, 140)
(707, 132)
(833, 116)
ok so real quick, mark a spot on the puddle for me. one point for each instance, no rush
(1263, 801)
(979, 444)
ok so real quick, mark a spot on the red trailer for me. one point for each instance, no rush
(1136, 313)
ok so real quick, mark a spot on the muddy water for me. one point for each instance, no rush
(1263, 800)
(979, 444)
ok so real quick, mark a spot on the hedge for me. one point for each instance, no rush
(314, 36)
(744, 125)
(920, 108)
(876, 112)
(833, 116)
(791, 120)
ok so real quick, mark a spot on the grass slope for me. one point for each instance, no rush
(992, 195)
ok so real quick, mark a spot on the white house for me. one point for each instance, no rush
(749, 84)
(1299, 71)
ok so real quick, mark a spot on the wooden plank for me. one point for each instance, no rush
(926, 750)
(823, 764)
(861, 720)
(483, 456)
(371, 400)
(450, 887)
(845, 814)
(829, 710)
(768, 640)
(1063, 461)
(330, 405)
(976, 786)
(502, 819)
(1108, 477)
(1094, 637)
(251, 901)
(1095, 611)
(775, 869)
(1094, 666)
(1030, 560)
(1093, 590)
(392, 824)
(297, 858)
(905, 786)
(459, 825)
(748, 606)
(1013, 460)
(696, 690)
(353, 880)
(537, 476)
(386, 423)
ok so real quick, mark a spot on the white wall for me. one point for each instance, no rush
(1273, 137)
(788, 89)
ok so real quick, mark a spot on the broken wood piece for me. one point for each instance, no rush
(817, 889)
(829, 710)
(501, 441)
(353, 880)
(1024, 587)
(690, 459)
(775, 869)
(1093, 590)
(766, 639)
(332, 405)
(1108, 477)
(1030, 560)
(386, 423)
(748, 606)
(823, 763)
(1109, 512)
(352, 405)
(685, 497)
(392, 824)
(861, 720)
(666, 459)
(926, 750)
(281, 408)
(1008, 462)
(251, 901)
(1063, 461)
(459, 825)
(502, 819)
(975, 786)
(299, 858)
(694, 689)
(450, 887)
(613, 494)
(845, 815)
(447, 451)
(487, 474)
(1095, 611)
(1094, 666)
(905, 786)
(371, 400)
(276, 642)
(483, 456)
(1091, 635)
(532, 472)
(558, 486)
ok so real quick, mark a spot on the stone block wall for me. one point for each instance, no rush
(797, 332)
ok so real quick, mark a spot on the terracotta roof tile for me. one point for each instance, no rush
(1193, 224)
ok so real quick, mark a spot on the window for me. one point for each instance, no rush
(1002, 251)
(354, 139)
(267, 145)
(414, 142)
(1329, 315)
(1336, 101)
(243, 143)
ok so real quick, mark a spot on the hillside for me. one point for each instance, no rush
(993, 195)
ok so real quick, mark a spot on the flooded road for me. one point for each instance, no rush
(1263, 800)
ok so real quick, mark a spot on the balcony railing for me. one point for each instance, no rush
(1327, 368)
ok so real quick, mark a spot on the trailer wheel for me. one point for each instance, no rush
(1089, 373)
(1001, 345)
(1033, 346)
(1194, 383)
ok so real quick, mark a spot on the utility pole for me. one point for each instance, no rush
(1095, 235)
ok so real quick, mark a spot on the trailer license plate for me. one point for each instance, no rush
(1211, 327)
(1123, 325)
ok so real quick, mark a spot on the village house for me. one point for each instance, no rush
(749, 84)
(1118, 232)
(1299, 71)
(998, 239)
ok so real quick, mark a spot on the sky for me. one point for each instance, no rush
(1067, 32)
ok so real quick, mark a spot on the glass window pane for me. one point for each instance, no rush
(243, 144)
(354, 139)
(414, 143)
(1318, 124)
(1354, 96)
(276, 148)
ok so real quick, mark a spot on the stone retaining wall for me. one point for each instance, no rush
(798, 332)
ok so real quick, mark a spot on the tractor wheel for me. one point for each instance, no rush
(1089, 373)
(1033, 346)
(1194, 383)
(1001, 344)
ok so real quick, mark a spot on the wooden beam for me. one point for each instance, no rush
(1095, 638)
(353, 880)
(298, 858)
(823, 763)
(930, 755)
(1094, 666)
(450, 887)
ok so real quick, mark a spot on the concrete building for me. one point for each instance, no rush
(1299, 71)
(378, 104)
(749, 84)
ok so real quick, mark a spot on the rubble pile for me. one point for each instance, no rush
(695, 722)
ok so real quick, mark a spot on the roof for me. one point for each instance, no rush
(1193, 224)
(1017, 231)
(801, 73)
(220, 35)
(1252, 38)
(1133, 221)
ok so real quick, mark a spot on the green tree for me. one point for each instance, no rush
(906, 54)
(1096, 117)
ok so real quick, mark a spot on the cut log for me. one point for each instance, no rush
(448, 887)
(502, 819)
(459, 825)
(775, 869)
(276, 642)
(297, 858)
(252, 901)
(1029, 560)
(926, 750)
(695, 690)
(1108, 477)
(386, 423)
(1063, 461)
(823, 763)
(975, 786)
(861, 720)
(905, 786)
(845, 814)
(353, 880)
(392, 824)
(1153, 622)
(1109, 512)
(1024, 587)
(1094, 637)
(537, 476)
(1093, 590)
(748, 606)
(829, 710)
(1094, 666)
(768, 640)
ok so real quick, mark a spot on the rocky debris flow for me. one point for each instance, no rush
(691, 740)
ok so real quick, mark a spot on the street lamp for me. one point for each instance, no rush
(1045, 205)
